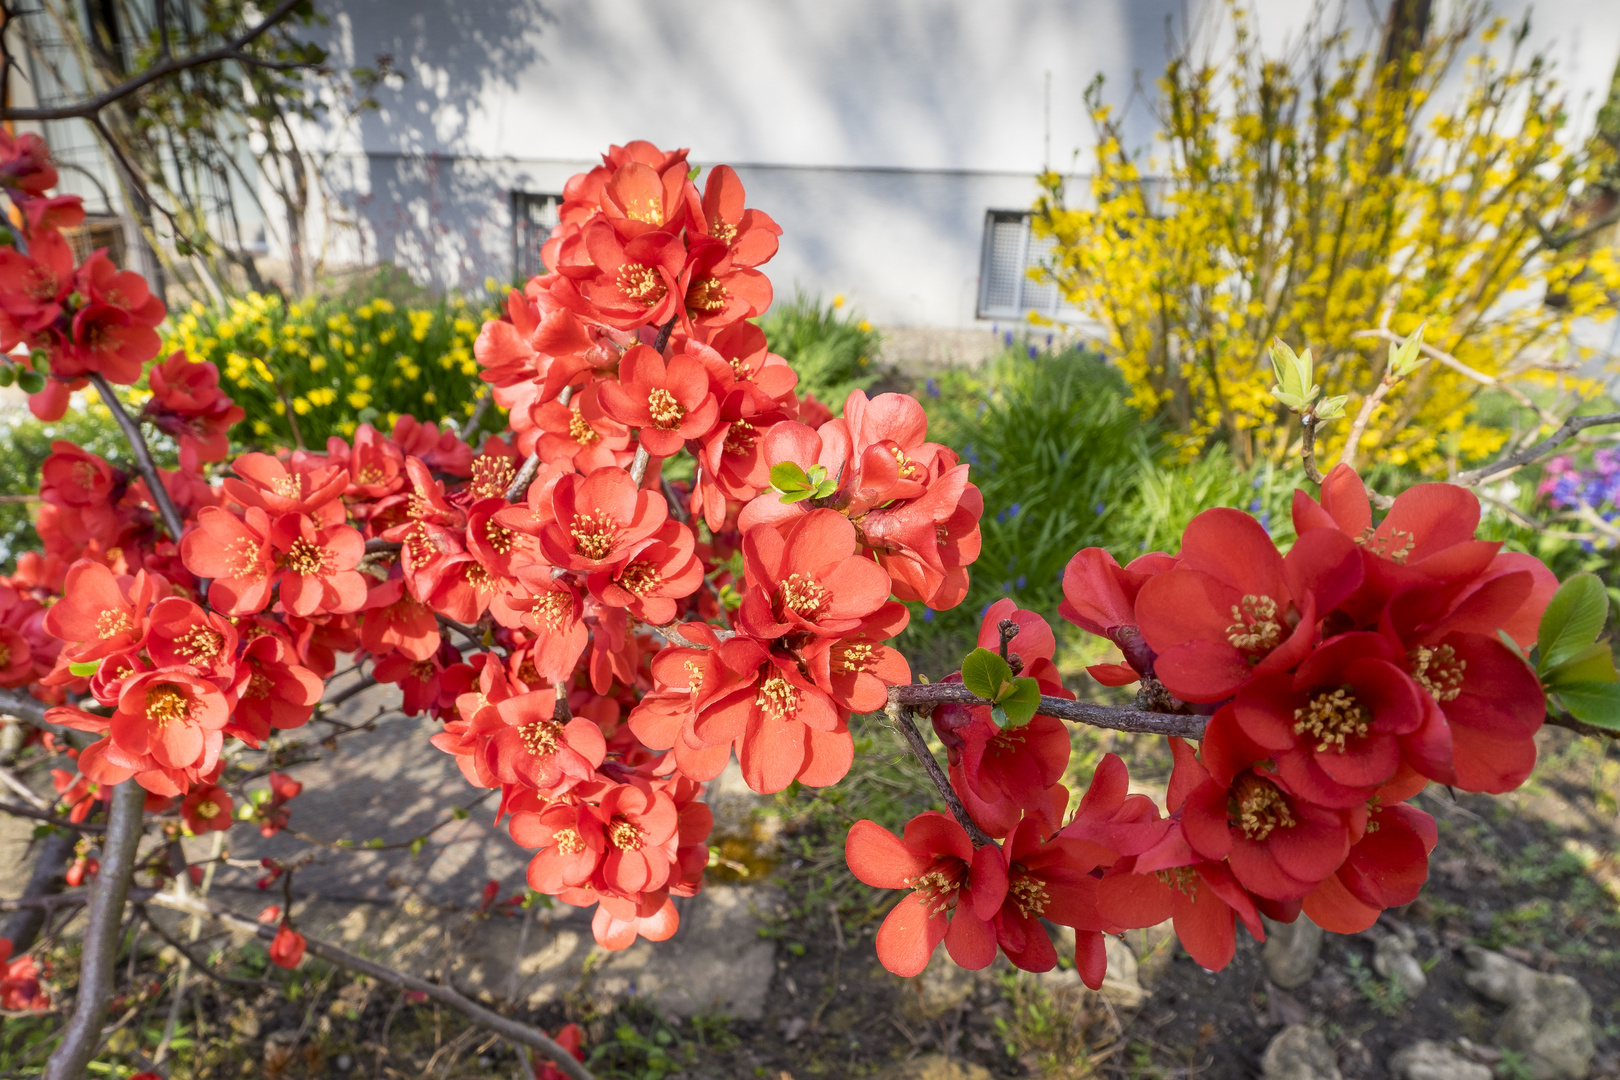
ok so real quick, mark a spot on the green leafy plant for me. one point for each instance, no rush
(833, 350)
(989, 676)
(1574, 666)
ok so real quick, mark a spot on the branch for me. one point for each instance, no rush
(43, 883)
(23, 706)
(1580, 727)
(49, 818)
(1571, 427)
(511, 1029)
(1443, 357)
(900, 716)
(1115, 718)
(143, 456)
(470, 428)
(231, 50)
(82, 1035)
(196, 961)
(1307, 454)
(639, 463)
(1555, 242)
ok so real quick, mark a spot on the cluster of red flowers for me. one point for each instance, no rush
(557, 603)
(1338, 681)
(20, 990)
(76, 321)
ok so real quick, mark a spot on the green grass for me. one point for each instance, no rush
(833, 350)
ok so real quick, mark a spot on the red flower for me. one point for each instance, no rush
(811, 581)
(1336, 724)
(581, 432)
(627, 283)
(614, 931)
(110, 340)
(25, 163)
(783, 727)
(717, 291)
(376, 466)
(570, 1039)
(598, 519)
(639, 830)
(956, 891)
(316, 566)
(235, 553)
(1099, 596)
(274, 814)
(667, 403)
(33, 287)
(187, 404)
(527, 744)
(662, 570)
(1050, 881)
(1235, 606)
(102, 614)
(857, 670)
(19, 982)
(287, 947)
(173, 716)
(1386, 868)
(101, 282)
(207, 809)
(1279, 845)
(307, 488)
(749, 235)
(274, 691)
(180, 632)
(639, 199)
(394, 619)
(85, 486)
(441, 451)
(1202, 897)
(1003, 774)
(569, 841)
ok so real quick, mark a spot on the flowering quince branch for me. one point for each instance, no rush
(1571, 427)
(143, 456)
(597, 696)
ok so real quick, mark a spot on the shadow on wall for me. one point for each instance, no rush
(421, 204)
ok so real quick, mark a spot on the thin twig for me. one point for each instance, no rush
(29, 795)
(1115, 718)
(900, 716)
(470, 428)
(49, 818)
(23, 706)
(89, 108)
(511, 1029)
(172, 521)
(1571, 427)
(531, 465)
(82, 1034)
(197, 962)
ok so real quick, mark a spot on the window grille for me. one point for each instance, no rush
(533, 217)
(1006, 291)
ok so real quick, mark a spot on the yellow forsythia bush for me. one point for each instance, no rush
(311, 368)
(1324, 203)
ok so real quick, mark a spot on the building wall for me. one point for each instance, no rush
(877, 134)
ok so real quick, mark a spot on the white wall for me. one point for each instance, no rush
(877, 133)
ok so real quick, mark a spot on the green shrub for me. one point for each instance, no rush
(1055, 451)
(834, 351)
(24, 445)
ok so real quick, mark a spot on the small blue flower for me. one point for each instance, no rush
(928, 614)
(1048, 341)
(1265, 521)
(1016, 508)
(1021, 581)
(1100, 509)
(1007, 338)
(1034, 352)
(933, 388)
(1254, 507)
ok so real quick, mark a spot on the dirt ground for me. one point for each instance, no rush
(1534, 875)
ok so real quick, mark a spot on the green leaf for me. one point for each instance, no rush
(999, 715)
(788, 476)
(375, 842)
(32, 382)
(798, 496)
(417, 845)
(984, 672)
(459, 813)
(1021, 701)
(1573, 619)
(8, 374)
(1332, 408)
(83, 670)
(1594, 664)
(1597, 703)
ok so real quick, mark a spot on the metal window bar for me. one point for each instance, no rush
(1006, 291)
(534, 215)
